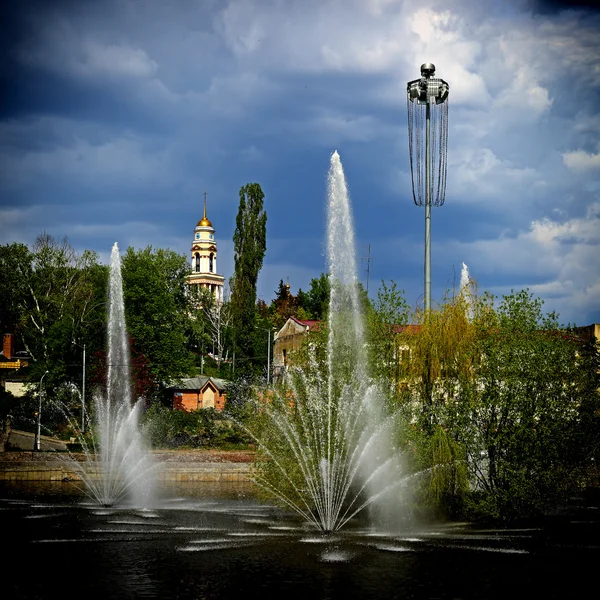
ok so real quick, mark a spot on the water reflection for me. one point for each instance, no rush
(219, 541)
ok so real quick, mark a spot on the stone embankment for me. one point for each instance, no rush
(178, 466)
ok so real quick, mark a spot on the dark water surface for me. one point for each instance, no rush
(218, 542)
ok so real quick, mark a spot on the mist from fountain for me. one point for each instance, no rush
(333, 453)
(116, 465)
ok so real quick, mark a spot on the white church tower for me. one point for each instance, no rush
(204, 258)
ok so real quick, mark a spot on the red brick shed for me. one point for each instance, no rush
(199, 392)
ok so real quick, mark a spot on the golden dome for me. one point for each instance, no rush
(204, 222)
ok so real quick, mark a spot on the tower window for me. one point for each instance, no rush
(210, 263)
(197, 262)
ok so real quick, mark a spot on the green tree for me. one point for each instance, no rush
(530, 414)
(210, 326)
(53, 305)
(15, 271)
(316, 301)
(508, 401)
(284, 305)
(250, 244)
(156, 310)
(59, 296)
(385, 322)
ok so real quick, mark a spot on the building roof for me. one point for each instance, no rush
(309, 324)
(198, 383)
(410, 329)
(16, 361)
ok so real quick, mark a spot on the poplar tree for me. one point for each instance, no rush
(250, 244)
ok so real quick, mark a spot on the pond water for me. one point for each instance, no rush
(212, 542)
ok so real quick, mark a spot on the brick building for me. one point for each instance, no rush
(198, 392)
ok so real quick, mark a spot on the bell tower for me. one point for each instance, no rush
(204, 258)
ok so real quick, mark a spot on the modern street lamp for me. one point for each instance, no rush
(36, 441)
(428, 130)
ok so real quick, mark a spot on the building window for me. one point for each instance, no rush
(197, 262)
(210, 263)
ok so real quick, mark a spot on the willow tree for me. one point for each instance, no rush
(437, 376)
(505, 405)
(250, 244)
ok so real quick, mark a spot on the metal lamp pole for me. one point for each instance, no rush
(268, 352)
(427, 267)
(82, 389)
(36, 441)
(431, 92)
(83, 395)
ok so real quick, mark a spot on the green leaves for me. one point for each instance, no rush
(512, 390)
(156, 309)
(250, 244)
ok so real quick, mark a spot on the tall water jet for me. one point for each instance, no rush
(466, 291)
(329, 453)
(116, 464)
(464, 278)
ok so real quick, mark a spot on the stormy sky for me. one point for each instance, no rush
(116, 116)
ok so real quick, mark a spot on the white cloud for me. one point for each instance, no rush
(477, 173)
(566, 255)
(525, 93)
(581, 161)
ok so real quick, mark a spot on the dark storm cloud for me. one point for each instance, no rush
(546, 7)
(119, 114)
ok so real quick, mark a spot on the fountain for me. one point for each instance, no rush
(328, 443)
(466, 290)
(464, 278)
(116, 464)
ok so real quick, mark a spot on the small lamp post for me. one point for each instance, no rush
(82, 388)
(36, 441)
(268, 350)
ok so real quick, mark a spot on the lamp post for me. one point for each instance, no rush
(36, 441)
(83, 394)
(428, 130)
(268, 350)
(82, 388)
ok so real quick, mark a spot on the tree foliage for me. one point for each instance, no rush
(53, 302)
(509, 396)
(210, 326)
(250, 244)
(156, 310)
(386, 319)
(315, 302)
(284, 305)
